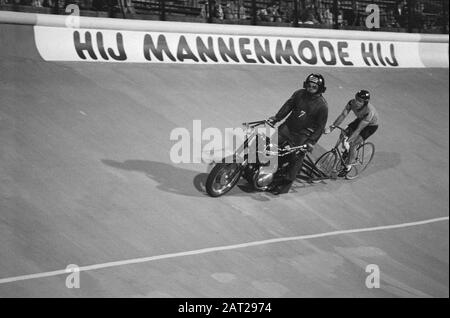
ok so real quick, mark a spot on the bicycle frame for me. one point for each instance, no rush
(313, 173)
(341, 141)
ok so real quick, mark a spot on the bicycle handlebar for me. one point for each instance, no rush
(342, 137)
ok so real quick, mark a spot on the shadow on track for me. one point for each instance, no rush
(170, 178)
(178, 180)
(192, 183)
(383, 160)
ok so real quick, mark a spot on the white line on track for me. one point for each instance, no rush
(219, 248)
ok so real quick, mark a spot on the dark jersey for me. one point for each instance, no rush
(308, 114)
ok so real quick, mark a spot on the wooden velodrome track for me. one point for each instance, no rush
(86, 179)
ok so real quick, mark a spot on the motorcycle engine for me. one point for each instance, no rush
(261, 179)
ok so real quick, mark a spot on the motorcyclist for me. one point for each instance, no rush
(308, 114)
(365, 125)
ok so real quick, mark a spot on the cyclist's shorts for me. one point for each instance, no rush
(365, 133)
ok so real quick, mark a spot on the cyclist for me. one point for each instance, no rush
(308, 114)
(365, 125)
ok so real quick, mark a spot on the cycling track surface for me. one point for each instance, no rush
(86, 179)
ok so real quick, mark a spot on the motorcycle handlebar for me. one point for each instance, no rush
(284, 152)
(259, 122)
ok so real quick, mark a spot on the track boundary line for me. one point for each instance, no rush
(217, 249)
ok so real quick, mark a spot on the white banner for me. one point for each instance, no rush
(101, 45)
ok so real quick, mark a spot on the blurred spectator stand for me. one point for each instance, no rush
(429, 16)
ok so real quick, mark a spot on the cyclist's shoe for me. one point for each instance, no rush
(343, 172)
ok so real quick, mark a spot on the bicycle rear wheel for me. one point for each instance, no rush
(364, 155)
(327, 162)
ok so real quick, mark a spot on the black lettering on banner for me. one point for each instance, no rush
(327, 45)
(81, 47)
(101, 46)
(286, 53)
(184, 51)
(157, 51)
(368, 54)
(306, 44)
(227, 51)
(380, 56)
(343, 55)
(122, 56)
(394, 60)
(203, 50)
(263, 53)
(245, 52)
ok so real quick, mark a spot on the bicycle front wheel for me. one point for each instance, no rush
(364, 155)
(327, 162)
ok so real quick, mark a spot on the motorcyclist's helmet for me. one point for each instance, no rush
(316, 79)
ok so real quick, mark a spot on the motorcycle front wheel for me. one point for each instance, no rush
(222, 178)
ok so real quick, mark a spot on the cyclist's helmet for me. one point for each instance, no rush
(363, 95)
(317, 79)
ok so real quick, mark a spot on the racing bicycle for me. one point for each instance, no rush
(333, 162)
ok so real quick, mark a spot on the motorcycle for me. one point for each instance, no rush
(270, 161)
